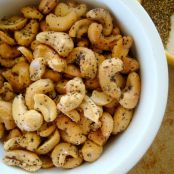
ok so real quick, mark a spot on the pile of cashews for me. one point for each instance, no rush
(67, 83)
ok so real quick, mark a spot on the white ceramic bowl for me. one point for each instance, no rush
(123, 152)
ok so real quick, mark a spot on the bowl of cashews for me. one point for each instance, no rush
(83, 86)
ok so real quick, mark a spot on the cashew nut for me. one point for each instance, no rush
(8, 52)
(100, 98)
(31, 13)
(61, 42)
(66, 155)
(122, 118)
(4, 37)
(26, 53)
(73, 115)
(28, 33)
(107, 71)
(18, 76)
(46, 162)
(86, 60)
(34, 44)
(61, 86)
(70, 130)
(91, 151)
(2, 130)
(92, 84)
(100, 58)
(64, 23)
(46, 106)
(98, 40)
(121, 49)
(6, 115)
(48, 145)
(46, 129)
(120, 79)
(79, 28)
(47, 6)
(13, 23)
(72, 71)
(11, 144)
(52, 75)
(103, 16)
(91, 110)
(25, 120)
(62, 9)
(44, 26)
(13, 133)
(26, 160)
(75, 89)
(131, 92)
(41, 86)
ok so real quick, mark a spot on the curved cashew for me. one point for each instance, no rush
(122, 118)
(131, 92)
(75, 93)
(4, 37)
(61, 86)
(52, 75)
(98, 40)
(61, 42)
(86, 60)
(18, 76)
(46, 106)
(47, 6)
(72, 71)
(26, 160)
(2, 130)
(48, 145)
(31, 13)
(100, 98)
(13, 133)
(13, 23)
(62, 9)
(92, 83)
(31, 29)
(8, 52)
(91, 110)
(38, 87)
(73, 115)
(103, 16)
(44, 26)
(65, 153)
(46, 162)
(46, 130)
(25, 120)
(11, 144)
(91, 151)
(121, 49)
(70, 130)
(34, 44)
(64, 23)
(26, 53)
(79, 28)
(6, 115)
(107, 70)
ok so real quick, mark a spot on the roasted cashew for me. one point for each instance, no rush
(8, 52)
(44, 26)
(11, 144)
(34, 44)
(75, 89)
(62, 9)
(41, 86)
(72, 71)
(31, 13)
(64, 23)
(92, 83)
(79, 28)
(13, 23)
(122, 118)
(18, 76)
(73, 115)
(2, 130)
(46, 129)
(25, 120)
(26, 160)
(26, 53)
(98, 40)
(46, 162)
(100, 58)
(52, 75)
(48, 145)
(28, 33)
(91, 151)
(13, 133)
(86, 59)
(66, 155)
(91, 110)
(100, 98)
(121, 49)
(6, 115)
(107, 70)
(103, 16)
(47, 6)
(130, 65)
(72, 132)
(46, 106)
(131, 92)
(61, 86)
(61, 42)
(4, 37)
(120, 79)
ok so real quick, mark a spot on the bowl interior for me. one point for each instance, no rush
(125, 150)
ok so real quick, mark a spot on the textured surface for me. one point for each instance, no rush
(159, 159)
